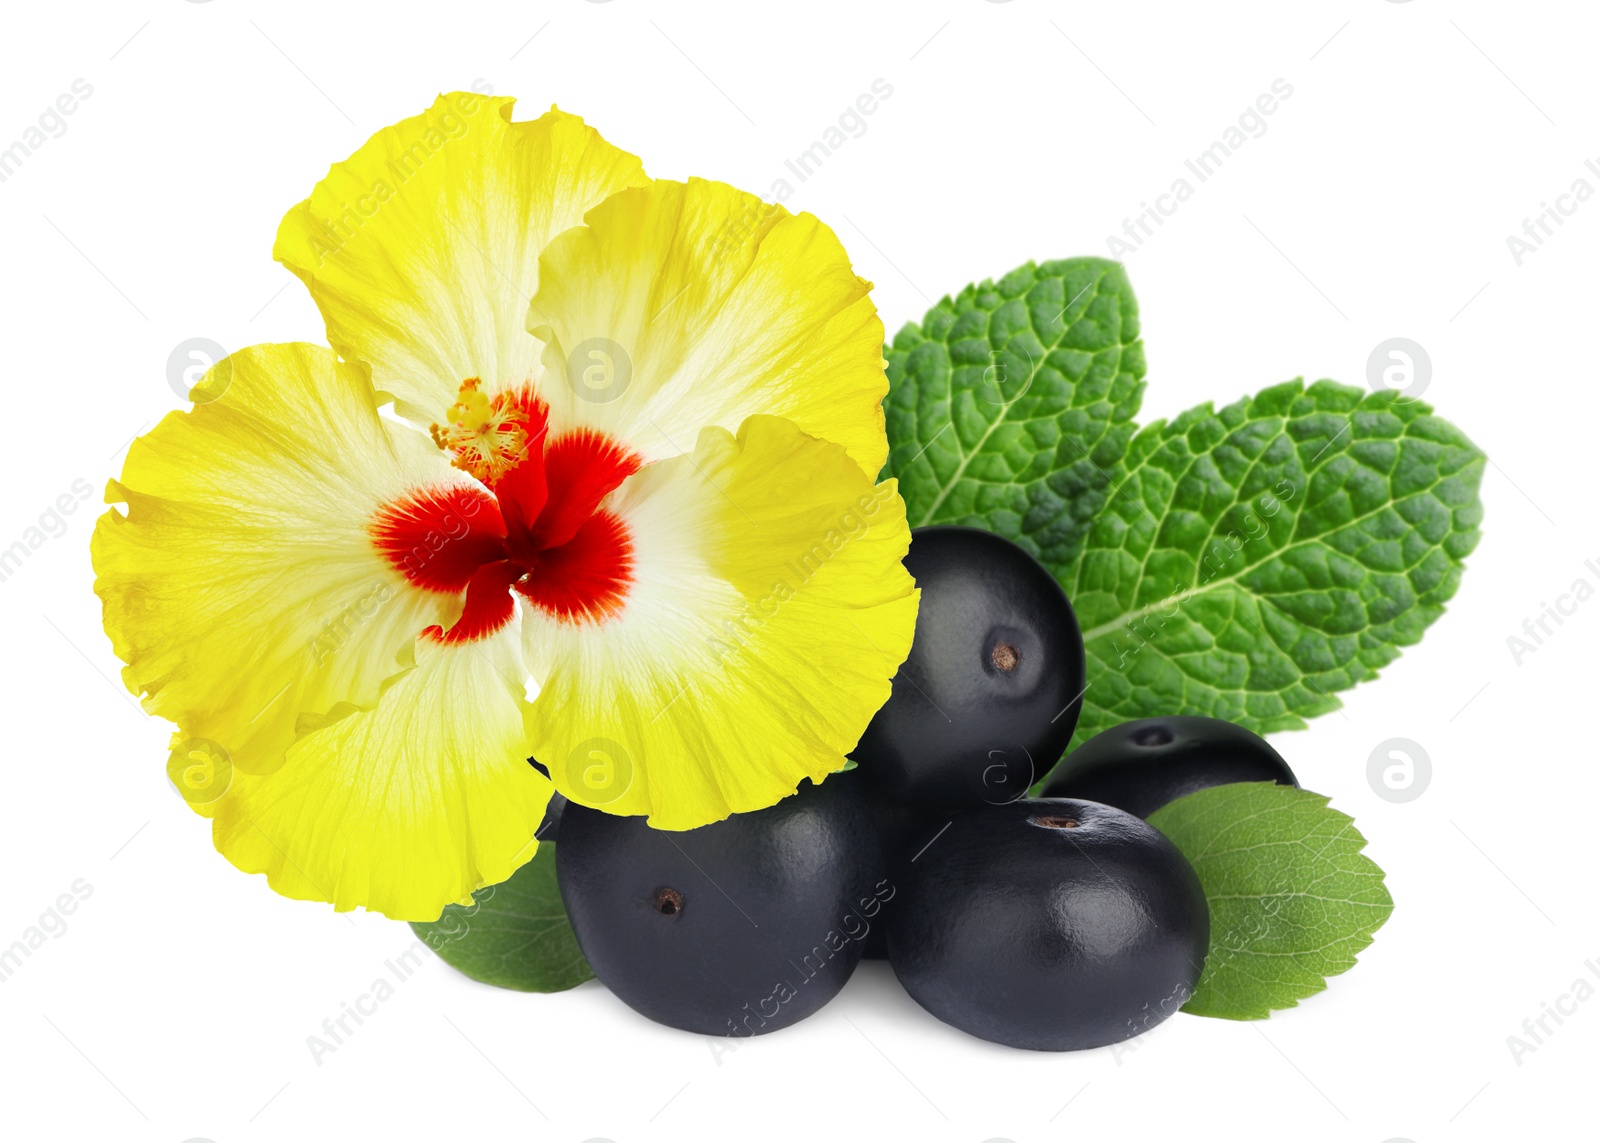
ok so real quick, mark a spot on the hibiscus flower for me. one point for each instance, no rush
(582, 498)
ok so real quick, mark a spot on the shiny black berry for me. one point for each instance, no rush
(1140, 766)
(988, 697)
(1052, 924)
(737, 928)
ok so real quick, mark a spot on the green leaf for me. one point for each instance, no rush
(1246, 563)
(1293, 899)
(1010, 403)
(514, 934)
(1255, 560)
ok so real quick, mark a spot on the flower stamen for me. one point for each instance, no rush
(488, 435)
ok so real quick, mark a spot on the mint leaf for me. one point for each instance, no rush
(1293, 899)
(514, 934)
(1255, 560)
(1011, 402)
(1246, 563)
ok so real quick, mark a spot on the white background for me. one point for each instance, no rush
(1419, 135)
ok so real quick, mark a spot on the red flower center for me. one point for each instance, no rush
(536, 526)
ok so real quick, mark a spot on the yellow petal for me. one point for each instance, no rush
(768, 613)
(406, 807)
(242, 588)
(682, 305)
(421, 249)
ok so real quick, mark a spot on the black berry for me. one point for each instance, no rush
(737, 928)
(1052, 924)
(988, 697)
(1140, 766)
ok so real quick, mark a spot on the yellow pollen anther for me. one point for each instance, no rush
(485, 434)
